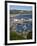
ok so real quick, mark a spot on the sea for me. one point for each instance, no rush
(26, 26)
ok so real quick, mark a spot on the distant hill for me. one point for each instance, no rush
(20, 11)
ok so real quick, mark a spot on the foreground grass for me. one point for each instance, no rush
(14, 36)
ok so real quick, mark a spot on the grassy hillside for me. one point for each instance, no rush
(15, 36)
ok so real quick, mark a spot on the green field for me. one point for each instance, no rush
(15, 36)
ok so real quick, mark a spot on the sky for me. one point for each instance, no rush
(16, 7)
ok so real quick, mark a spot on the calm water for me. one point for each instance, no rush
(24, 16)
(23, 27)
